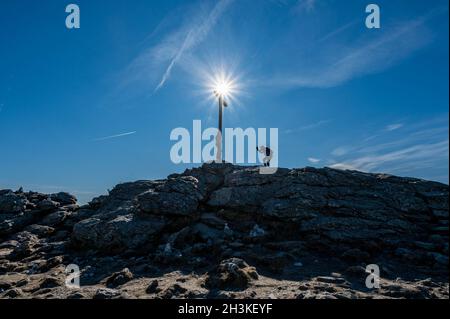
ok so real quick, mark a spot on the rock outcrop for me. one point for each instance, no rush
(299, 233)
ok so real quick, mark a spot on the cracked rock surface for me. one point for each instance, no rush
(225, 231)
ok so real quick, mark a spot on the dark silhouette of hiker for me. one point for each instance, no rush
(268, 154)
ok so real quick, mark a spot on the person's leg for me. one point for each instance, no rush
(268, 159)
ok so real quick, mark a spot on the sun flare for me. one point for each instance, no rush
(220, 82)
(222, 88)
(223, 85)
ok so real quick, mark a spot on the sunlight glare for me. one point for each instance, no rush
(223, 85)
(222, 88)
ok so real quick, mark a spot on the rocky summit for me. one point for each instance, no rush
(225, 231)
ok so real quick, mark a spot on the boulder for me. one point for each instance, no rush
(153, 287)
(107, 293)
(11, 203)
(63, 198)
(54, 219)
(119, 278)
(25, 244)
(164, 203)
(129, 191)
(40, 230)
(118, 234)
(13, 293)
(233, 273)
(47, 205)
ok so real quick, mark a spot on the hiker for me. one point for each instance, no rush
(268, 153)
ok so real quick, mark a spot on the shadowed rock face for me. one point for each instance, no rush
(293, 228)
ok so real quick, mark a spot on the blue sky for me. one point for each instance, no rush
(82, 110)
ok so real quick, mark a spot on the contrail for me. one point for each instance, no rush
(197, 34)
(337, 31)
(113, 136)
(174, 60)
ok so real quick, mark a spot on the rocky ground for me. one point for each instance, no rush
(223, 231)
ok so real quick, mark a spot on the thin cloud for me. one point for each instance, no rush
(338, 31)
(370, 55)
(114, 136)
(307, 127)
(424, 146)
(416, 153)
(314, 160)
(393, 127)
(305, 5)
(344, 166)
(174, 45)
(297, 5)
(340, 151)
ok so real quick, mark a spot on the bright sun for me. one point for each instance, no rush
(221, 84)
(222, 88)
